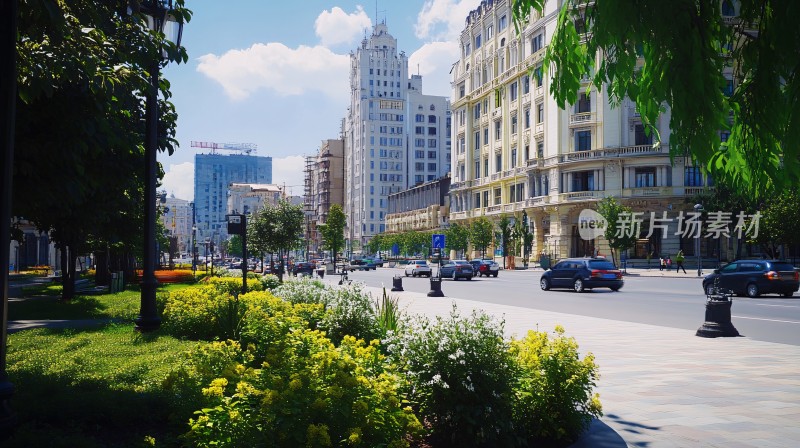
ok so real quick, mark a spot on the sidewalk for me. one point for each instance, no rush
(665, 387)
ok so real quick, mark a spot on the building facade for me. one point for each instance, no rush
(213, 175)
(378, 134)
(516, 151)
(324, 187)
(250, 198)
(424, 207)
(177, 217)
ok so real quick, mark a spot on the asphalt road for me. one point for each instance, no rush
(674, 302)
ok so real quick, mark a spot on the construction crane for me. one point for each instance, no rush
(245, 148)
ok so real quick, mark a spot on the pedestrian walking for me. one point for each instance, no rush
(662, 263)
(679, 259)
(669, 263)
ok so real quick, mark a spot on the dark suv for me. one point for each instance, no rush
(755, 277)
(581, 274)
(303, 268)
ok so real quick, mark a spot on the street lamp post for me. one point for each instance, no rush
(699, 209)
(158, 14)
(8, 97)
(194, 250)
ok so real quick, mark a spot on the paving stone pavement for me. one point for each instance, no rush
(666, 387)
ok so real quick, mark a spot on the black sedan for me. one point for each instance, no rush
(457, 269)
(580, 274)
(754, 277)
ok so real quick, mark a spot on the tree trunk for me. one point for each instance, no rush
(68, 275)
(101, 276)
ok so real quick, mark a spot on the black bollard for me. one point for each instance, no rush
(397, 283)
(436, 287)
(718, 316)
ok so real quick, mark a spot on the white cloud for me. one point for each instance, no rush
(434, 61)
(276, 67)
(337, 27)
(179, 180)
(289, 171)
(443, 20)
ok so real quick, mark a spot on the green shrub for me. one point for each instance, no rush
(233, 285)
(554, 402)
(270, 281)
(302, 291)
(315, 394)
(387, 314)
(191, 312)
(460, 376)
(350, 312)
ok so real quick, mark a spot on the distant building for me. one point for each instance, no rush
(176, 215)
(213, 175)
(324, 187)
(250, 198)
(386, 150)
(425, 207)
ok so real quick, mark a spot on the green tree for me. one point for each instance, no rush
(480, 234)
(779, 224)
(234, 247)
(618, 237)
(333, 231)
(457, 237)
(725, 198)
(504, 226)
(288, 226)
(677, 54)
(82, 68)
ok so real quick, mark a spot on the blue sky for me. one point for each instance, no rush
(275, 73)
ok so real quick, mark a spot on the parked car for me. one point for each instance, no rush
(419, 268)
(457, 269)
(755, 277)
(485, 267)
(581, 274)
(303, 268)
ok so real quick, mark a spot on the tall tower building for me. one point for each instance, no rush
(213, 175)
(386, 151)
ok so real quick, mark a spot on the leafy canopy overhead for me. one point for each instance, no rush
(678, 53)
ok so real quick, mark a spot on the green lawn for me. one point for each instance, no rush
(93, 388)
(43, 302)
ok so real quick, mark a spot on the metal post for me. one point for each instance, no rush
(244, 253)
(698, 208)
(148, 319)
(8, 97)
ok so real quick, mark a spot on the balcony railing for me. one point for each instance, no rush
(539, 200)
(495, 176)
(603, 153)
(459, 215)
(580, 195)
(493, 209)
(581, 118)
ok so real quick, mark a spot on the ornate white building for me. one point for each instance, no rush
(516, 151)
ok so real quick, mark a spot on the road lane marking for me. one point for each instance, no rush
(783, 306)
(770, 320)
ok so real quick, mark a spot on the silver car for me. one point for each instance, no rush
(418, 268)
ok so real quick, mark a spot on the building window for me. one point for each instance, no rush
(582, 181)
(477, 139)
(419, 129)
(537, 75)
(583, 140)
(536, 43)
(432, 119)
(477, 169)
(498, 127)
(486, 198)
(526, 84)
(431, 131)
(419, 178)
(645, 177)
(527, 115)
(477, 41)
(728, 90)
(692, 176)
(477, 200)
(485, 136)
(477, 111)
(489, 32)
(513, 91)
(419, 154)
(431, 143)
(498, 163)
(486, 167)
(419, 118)
(514, 124)
(467, 49)
(727, 8)
(502, 23)
(584, 104)
(431, 167)
(419, 166)
(497, 196)
(640, 136)
(513, 157)
(431, 154)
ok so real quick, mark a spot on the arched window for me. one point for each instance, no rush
(433, 107)
(727, 8)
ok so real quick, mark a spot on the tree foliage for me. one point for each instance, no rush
(677, 54)
(333, 230)
(480, 233)
(779, 223)
(457, 237)
(82, 69)
(618, 240)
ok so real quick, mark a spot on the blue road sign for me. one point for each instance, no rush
(395, 249)
(437, 241)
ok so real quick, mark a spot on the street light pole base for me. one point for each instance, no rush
(8, 419)
(397, 284)
(147, 324)
(718, 320)
(436, 287)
